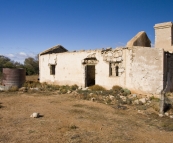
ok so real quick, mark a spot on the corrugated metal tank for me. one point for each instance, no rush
(13, 77)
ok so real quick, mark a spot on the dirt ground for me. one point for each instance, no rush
(68, 119)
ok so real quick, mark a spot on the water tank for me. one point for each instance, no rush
(13, 77)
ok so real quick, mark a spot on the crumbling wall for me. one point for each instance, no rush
(111, 58)
(145, 69)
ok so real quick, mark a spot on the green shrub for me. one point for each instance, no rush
(116, 87)
(67, 87)
(83, 92)
(129, 101)
(13, 88)
(97, 88)
(74, 87)
(54, 87)
(27, 84)
(32, 84)
(63, 91)
(43, 86)
(152, 98)
(107, 92)
(126, 92)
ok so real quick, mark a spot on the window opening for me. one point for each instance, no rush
(116, 70)
(52, 69)
(110, 69)
(113, 69)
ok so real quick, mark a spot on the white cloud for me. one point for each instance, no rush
(10, 55)
(23, 54)
(20, 57)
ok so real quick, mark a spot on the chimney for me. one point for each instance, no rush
(164, 36)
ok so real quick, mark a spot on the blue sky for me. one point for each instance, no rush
(28, 27)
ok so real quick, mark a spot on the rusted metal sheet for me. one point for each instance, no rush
(13, 77)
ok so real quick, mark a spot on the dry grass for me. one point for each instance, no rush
(116, 87)
(68, 119)
(97, 88)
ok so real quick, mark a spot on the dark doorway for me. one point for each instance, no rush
(89, 75)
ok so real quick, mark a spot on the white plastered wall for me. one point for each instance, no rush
(145, 69)
(70, 70)
(142, 68)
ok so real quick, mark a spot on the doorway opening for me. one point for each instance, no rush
(89, 75)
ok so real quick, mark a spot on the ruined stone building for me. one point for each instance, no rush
(137, 66)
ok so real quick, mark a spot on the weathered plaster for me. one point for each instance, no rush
(146, 70)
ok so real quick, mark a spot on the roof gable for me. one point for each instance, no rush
(141, 39)
(55, 49)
